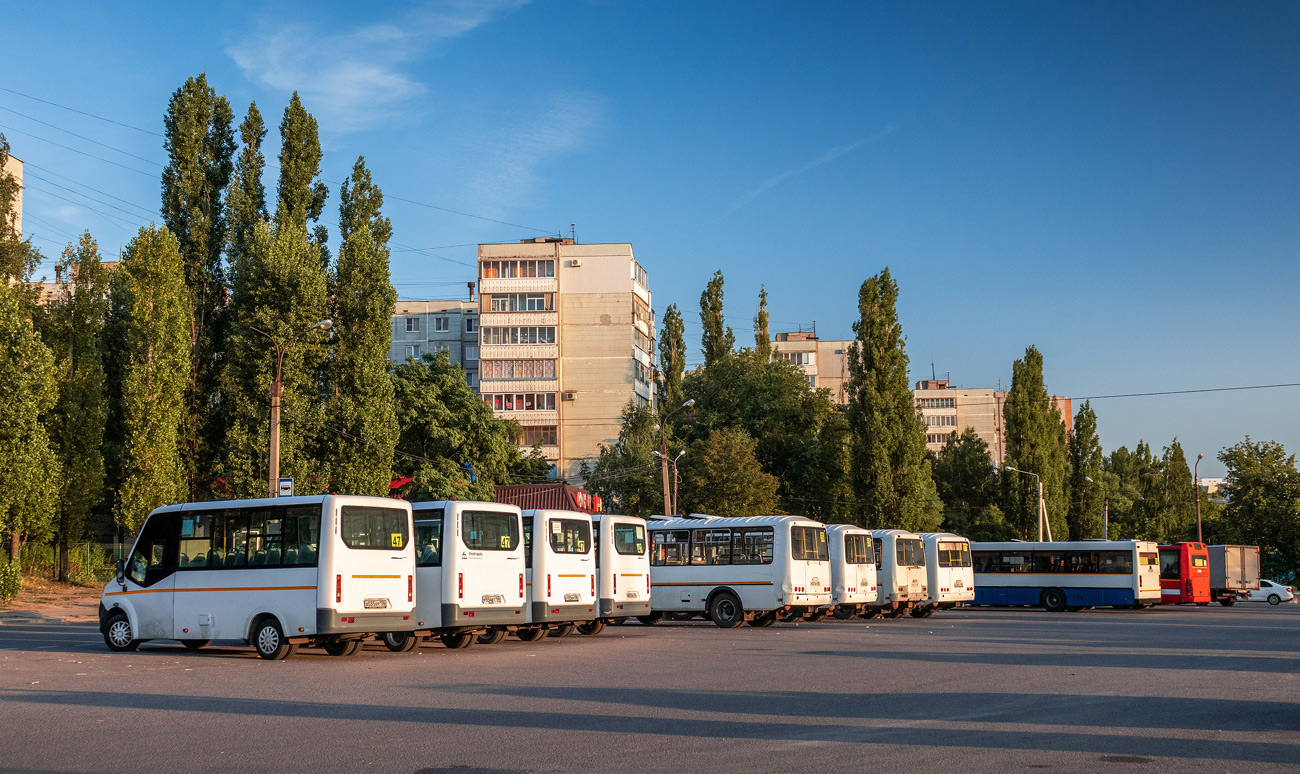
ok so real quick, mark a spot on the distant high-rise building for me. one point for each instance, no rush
(824, 363)
(425, 327)
(946, 410)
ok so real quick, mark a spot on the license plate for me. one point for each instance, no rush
(494, 599)
(958, 584)
(376, 604)
(572, 597)
(633, 595)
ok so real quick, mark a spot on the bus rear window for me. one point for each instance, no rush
(428, 540)
(909, 552)
(1200, 561)
(954, 554)
(809, 544)
(374, 528)
(858, 550)
(570, 536)
(489, 530)
(1148, 559)
(629, 539)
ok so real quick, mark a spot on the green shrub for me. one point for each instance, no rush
(11, 581)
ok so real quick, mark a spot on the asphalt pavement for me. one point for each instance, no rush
(974, 690)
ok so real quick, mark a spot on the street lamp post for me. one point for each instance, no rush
(663, 454)
(1042, 506)
(676, 481)
(1197, 474)
(276, 386)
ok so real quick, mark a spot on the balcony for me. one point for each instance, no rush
(519, 351)
(530, 417)
(518, 284)
(489, 319)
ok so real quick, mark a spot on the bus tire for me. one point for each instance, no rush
(651, 619)
(195, 644)
(493, 635)
(761, 620)
(1227, 601)
(563, 630)
(843, 613)
(530, 633)
(922, 612)
(269, 640)
(725, 610)
(118, 634)
(591, 628)
(458, 640)
(342, 647)
(401, 642)
(820, 615)
(1053, 600)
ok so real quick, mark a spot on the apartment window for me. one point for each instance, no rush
(517, 369)
(812, 382)
(519, 334)
(441, 325)
(471, 324)
(640, 372)
(513, 269)
(546, 435)
(944, 420)
(798, 358)
(644, 342)
(471, 378)
(936, 403)
(521, 401)
(521, 302)
(470, 352)
(413, 325)
(937, 437)
(413, 350)
(639, 273)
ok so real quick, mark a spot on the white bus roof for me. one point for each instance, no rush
(847, 529)
(266, 502)
(941, 536)
(482, 505)
(1064, 545)
(700, 521)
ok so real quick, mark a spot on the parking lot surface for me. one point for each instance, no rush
(1195, 688)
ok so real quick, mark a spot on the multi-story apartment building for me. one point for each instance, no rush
(825, 363)
(14, 167)
(421, 327)
(567, 340)
(946, 410)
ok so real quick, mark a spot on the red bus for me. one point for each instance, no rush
(1184, 574)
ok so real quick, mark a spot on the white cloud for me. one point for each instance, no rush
(825, 158)
(355, 79)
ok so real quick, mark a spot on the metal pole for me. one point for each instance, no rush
(669, 505)
(274, 479)
(1105, 518)
(1197, 473)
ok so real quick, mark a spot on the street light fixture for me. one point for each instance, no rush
(280, 351)
(1042, 505)
(669, 504)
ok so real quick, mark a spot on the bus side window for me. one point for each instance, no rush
(301, 535)
(528, 542)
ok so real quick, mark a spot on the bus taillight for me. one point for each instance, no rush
(521, 585)
(615, 585)
(338, 589)
(410, 588)
(548, 585)
(593, 585)
(460, 585)
(647, 583)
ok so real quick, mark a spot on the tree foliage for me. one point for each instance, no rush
(672, 358)
(627, 474)
(717, 339)
(1263, 489)
(301, 194)
(762, 339)
(1035, 443)
(1086, 499)
(890, 470)
(721, 476)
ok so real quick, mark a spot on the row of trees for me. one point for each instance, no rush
(149, 383)
(759, 439)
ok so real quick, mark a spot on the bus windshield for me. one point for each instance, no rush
(953, 553)
(857, 550)
(374, 528)
(570, 536)
(489, 530)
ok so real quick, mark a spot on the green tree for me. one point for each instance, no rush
(246, 202)
(29, 467)
(199, 143)
(762, 339)
(627, 474)
(1263, 491)
(964, 475)
(154, 317)
(717, 339)
(449, 442)
(301, 193)
(1036, 443)
(672, 359)
(1085, 511)
(18, 258)
(76, 425)
(360, 410)
(721, 476)
(889, 468)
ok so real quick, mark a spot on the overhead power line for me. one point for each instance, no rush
(81, 112)
(80, 136)
(81, 152)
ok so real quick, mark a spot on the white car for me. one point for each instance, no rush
(1271, 592)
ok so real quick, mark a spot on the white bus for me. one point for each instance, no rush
(949, 574)
(853, 570)
(469, 574)
(902, 585)
(739, 570)
(1070, 575)
(327, 570)
(560, 575)
(623, 570)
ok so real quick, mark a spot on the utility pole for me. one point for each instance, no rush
(276, 387)
(663, 455)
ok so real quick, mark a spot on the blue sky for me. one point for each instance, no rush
(1114, 183)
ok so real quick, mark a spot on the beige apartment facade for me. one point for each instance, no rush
(824, 363)
(567, 336)
(946, 410)
(14, 167)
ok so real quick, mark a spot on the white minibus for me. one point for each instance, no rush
(949, 574)
(327, 570)
(623, 570)
(1069, 575)
(469, 574)
(902, 585)
(560, 577)
(738, 570)
(853, 570)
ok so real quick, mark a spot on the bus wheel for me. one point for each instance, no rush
(870, 612)
(342, 648)
(563, 630)
(725, 610)
(1053, 600)
(530, 633)
(459, 640)
(195, 644)
(651, 619)
(618, 621)
(761, 620)
(591, 628)
(815, 617)
(269, 640)
(401, 642)
(493, 635)
(117, 634)
(843, 613)
(922, 612)
(1227, 601)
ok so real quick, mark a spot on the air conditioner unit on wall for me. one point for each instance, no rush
(570, 395)
(576, 263)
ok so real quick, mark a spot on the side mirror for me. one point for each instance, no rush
(121, 573)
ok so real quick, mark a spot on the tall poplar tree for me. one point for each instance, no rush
(301, 195)
(74, 322)
(672, 359)
(199, 142)
(717, 339)
(1036, 443)
(152, 310)
(762, 339)
(246, 202)
(360, 411)
(1086, 496)
(888, 466)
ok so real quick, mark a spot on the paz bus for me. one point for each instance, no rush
(900, 569)
(949, 574)
(853, 570)
(326, 570)
(1069, 575)
(1185, 574)
(738, 570)
(560, 573)
(622, 570)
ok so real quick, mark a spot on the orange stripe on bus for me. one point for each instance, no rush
(632, 574)
(376, 576)
(572, 576)
(718, 583)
